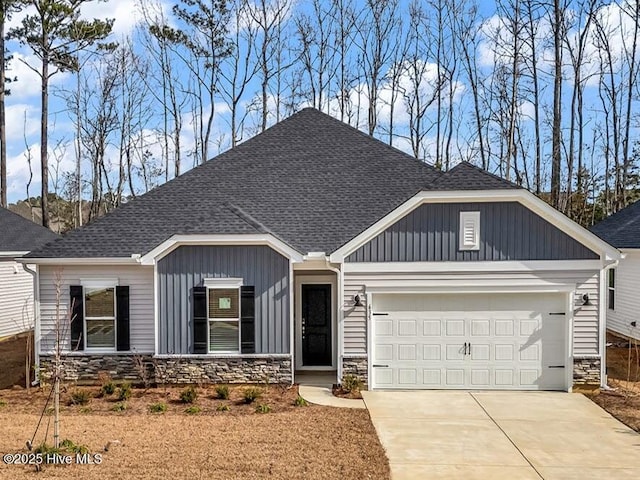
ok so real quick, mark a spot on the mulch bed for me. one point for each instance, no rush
(338, 391)
(310, 442)
(623, 370)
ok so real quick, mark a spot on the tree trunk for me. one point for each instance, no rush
(44, 132)
(557, 106)
(3, 122)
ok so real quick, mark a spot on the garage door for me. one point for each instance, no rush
(469, 341)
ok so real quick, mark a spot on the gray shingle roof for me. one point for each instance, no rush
(466, 176)
(311, 180)
(622, 229)
(17, 234)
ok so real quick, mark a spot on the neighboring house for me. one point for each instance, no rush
(18, 236)
(313, 246)
(622, 230)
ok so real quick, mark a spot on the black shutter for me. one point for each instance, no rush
(122, 318)
(199, 319)
(248, 320)
(77, 317)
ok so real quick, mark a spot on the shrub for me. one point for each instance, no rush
(69, 446)
(3, 403)
(222, 392)
(189, 394)
(108, 388)
(80, 397)
(251, 394)
(300, 402)
(351, 383)
(192, 410)
(263, 408)
(85, 410)
(159, 407)
(124, 392)
(223, 408)
(119, 407)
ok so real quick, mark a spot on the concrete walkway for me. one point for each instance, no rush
(501, 435)
(323, 396)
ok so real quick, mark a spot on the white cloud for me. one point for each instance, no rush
(22, 120)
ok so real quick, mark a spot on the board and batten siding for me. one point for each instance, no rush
(139, 279)
(585, 320)
(16, 298)
(508, 231)
(258, 265)
(627, 301)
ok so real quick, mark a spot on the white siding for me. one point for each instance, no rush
(138, 278)
(16, 298)
(627, 299)
(585, 331)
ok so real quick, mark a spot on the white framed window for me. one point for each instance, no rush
(100, 317)
(469, 230)
(223, 315)
(611, 289)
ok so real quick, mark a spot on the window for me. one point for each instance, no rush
(224, 319)
(611, 299)
(100, 317)
(469, 230)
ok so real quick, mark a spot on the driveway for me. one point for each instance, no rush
(501, 435)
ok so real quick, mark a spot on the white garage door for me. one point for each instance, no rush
(469, 341)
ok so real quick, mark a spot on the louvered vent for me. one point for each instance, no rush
(469, 230)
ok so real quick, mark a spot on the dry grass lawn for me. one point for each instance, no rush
(623, 370)
(291, 442)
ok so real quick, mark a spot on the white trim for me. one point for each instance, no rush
(13, 254)
(176, 241)
(476, 286)
(97, 285)
(568, 367)
(208, 356)
(339, 320)
(522, 196)
(223, 282)
(474, 267)
(237, 319)
(99, 282)
(369, 333)
(80, 261)
(292, 322)
(311, 280)
(156, 310)
(602, 320)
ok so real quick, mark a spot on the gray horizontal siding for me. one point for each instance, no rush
(188, 266)
(508, 231)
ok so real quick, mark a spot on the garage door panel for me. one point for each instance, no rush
(513, 341)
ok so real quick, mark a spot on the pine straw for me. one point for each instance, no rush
(308, 442)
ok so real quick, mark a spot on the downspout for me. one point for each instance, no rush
(602, 310)
(36, 320)
(339, 318)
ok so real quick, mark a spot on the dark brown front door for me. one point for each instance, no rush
(316, 325)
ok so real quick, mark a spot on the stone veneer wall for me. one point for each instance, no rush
(586, 371)
(357, 366)
(196, 369)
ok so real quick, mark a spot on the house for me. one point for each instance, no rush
(622, 230)
(313, 246)
(18, 236)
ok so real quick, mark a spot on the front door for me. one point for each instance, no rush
(316, 325)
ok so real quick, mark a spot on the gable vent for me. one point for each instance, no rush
(469, 230)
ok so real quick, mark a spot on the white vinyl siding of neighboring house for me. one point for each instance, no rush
(138, 278)
(585, 321)
(16, 298)
(627, 297)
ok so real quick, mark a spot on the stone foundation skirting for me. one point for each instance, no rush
(86, 369)
(357, 366)
(586, 371)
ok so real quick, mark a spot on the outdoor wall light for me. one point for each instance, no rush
(357, 301)
(585, 299)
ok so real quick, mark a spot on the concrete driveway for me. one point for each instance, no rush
(501, 435)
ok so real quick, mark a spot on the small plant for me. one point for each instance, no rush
(223, 408)
(159, 407)
(124, 392)
(85, 410)
(222, 392)
(108, 388)
(263, 408)
(351, 383)
(251, 394)
(80, 396)
(300, 402)
(192, 410)
(69, 446)
(188, 395)
(119, 407)
(3, 403)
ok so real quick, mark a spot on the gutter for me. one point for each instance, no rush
(36, 320)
